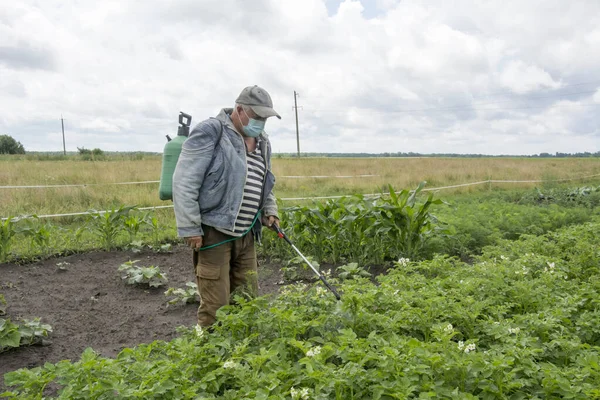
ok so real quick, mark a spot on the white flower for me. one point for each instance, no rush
(448, 328)
(199, 331)
(514, 330)
(461, 345)
(503, 258)
(551, 265)
(230, 364)
(321, 291)
(470, 348)
(299, 393)
(327, 273)
(403, 262)
(314, 351)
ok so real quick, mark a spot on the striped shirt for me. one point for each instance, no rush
(255, 175)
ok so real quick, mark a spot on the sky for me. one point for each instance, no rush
(486, 77)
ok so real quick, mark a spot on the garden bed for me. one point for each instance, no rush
(88, 304)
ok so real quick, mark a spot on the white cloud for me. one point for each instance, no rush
(523, 78)
(471, 77)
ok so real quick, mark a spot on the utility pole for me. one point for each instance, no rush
(297, 133)
(62, 122)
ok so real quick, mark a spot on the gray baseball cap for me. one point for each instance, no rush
(259, 101)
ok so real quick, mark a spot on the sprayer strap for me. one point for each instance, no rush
(220, 132)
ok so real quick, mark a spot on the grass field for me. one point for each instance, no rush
(486, 291)
(399, 172)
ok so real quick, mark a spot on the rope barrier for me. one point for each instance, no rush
(75, 185)
(370, 195)
(83, 213)
(293, 177)
(147, 182)
(326, 176)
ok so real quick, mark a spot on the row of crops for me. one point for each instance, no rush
(408, 224)
(521, 321)
(486, 296)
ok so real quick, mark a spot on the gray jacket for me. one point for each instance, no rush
(208, 183)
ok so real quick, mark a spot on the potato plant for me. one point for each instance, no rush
(521, 321)
(296, 269)
(351, 271)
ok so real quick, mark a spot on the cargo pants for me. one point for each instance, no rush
(223, 269)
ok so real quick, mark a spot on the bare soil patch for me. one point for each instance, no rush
(89, 305)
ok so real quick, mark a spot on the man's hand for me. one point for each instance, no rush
(269, 221)
(195, 242)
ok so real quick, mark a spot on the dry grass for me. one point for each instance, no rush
(399, 172)
(408, 172)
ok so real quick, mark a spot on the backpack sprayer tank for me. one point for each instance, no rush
(171, 155)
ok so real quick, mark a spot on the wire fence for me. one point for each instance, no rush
(368, 195)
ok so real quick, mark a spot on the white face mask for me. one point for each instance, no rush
(254, 127)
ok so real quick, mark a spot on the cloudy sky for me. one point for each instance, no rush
(492, 77)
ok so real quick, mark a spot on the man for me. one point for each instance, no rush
(222, 192)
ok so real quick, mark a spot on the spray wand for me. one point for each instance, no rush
(283, 236)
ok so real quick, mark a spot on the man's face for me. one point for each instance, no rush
(245, 116)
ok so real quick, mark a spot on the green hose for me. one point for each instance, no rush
(233, 238)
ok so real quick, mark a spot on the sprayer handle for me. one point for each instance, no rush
(187, 117)
(281, 234)
(335, 293)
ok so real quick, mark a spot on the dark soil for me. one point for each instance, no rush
(89, 305)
